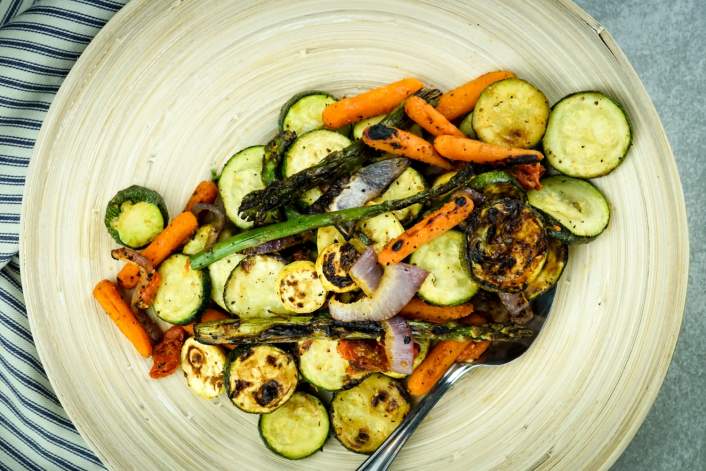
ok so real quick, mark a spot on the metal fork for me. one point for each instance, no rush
(499, 354)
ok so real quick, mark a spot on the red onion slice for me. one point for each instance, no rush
(398, 285)
(518, 306)
(143, 295)
(399, 346)
(366, 271)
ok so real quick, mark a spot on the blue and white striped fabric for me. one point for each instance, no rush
(39, 42)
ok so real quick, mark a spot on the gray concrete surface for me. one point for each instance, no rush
(666, 43)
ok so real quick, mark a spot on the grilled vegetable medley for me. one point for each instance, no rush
(327, 278)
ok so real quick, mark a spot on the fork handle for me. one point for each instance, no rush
(386, 453)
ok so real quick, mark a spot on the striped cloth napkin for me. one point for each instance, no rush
(40, 41)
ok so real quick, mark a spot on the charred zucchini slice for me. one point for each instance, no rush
(135, 215)
(423, 345)
(300, 288)
(588, 135)
(220, 272)
(333, 264)
(576, 204)
(381, 229)
(326, 236)
(365, 415)
(297, 429)
(322, 365)
(260, 379)
(409, 183)
(183, 291)
(449, 283)
(310, 149)
(360, 126)
(557, 256)
(203, 366)
(241, 175)
(511, 112)
(498, 184)
(200, 239)
(251, 289)
(506, 245)
(302, 113)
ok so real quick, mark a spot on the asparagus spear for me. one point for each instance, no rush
(333, 166)
(274, 151)
(298, 224)
(297, 328)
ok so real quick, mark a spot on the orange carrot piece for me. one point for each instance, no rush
(205, 192)
(108, 296)
(470, 150)
(374, 102)
(429, 228)
(418, 309)
(432, 368)
(178, 230)
(474, 319)
(398, 142)
(429, 118)
(473, 351)
(461, 100)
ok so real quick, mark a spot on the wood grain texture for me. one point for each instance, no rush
(169, 89)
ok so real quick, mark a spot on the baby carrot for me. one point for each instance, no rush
(205, 192)
(418, 309)
(374, 102)
(433, 367)
(429, 118)
(461, 100)
(108, 296)
(398, 142)
(470, 150)
(179, 229)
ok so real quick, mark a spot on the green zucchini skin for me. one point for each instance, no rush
(241, 175)
(274, 382)
(297, 429)
(284, 111)
(133, 195)
(578, 152)
(183, 291)
(507, 245)
(576, 209)
(378, 400)
(557, 258)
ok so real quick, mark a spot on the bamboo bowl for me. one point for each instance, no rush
(170, 88)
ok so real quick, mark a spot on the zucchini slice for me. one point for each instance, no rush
(322, 365)
(326, 236)
(260, 379)
(302, 113)
(199, 240)
(310, 149)
(203, 366)
(511, 112)
(300, 288)
(381, 229)
(333, 264)
(507, 245)
(576, 204)
(219, 272)
(251, 289)
(466, 126)
(135, 215)
(449, 283)
(365, 415)
(360, 126)
(183, 291)
(241, 175)
(409, 183)
(588, 135)
(423, 344)
(297, 429)
(557, 256)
